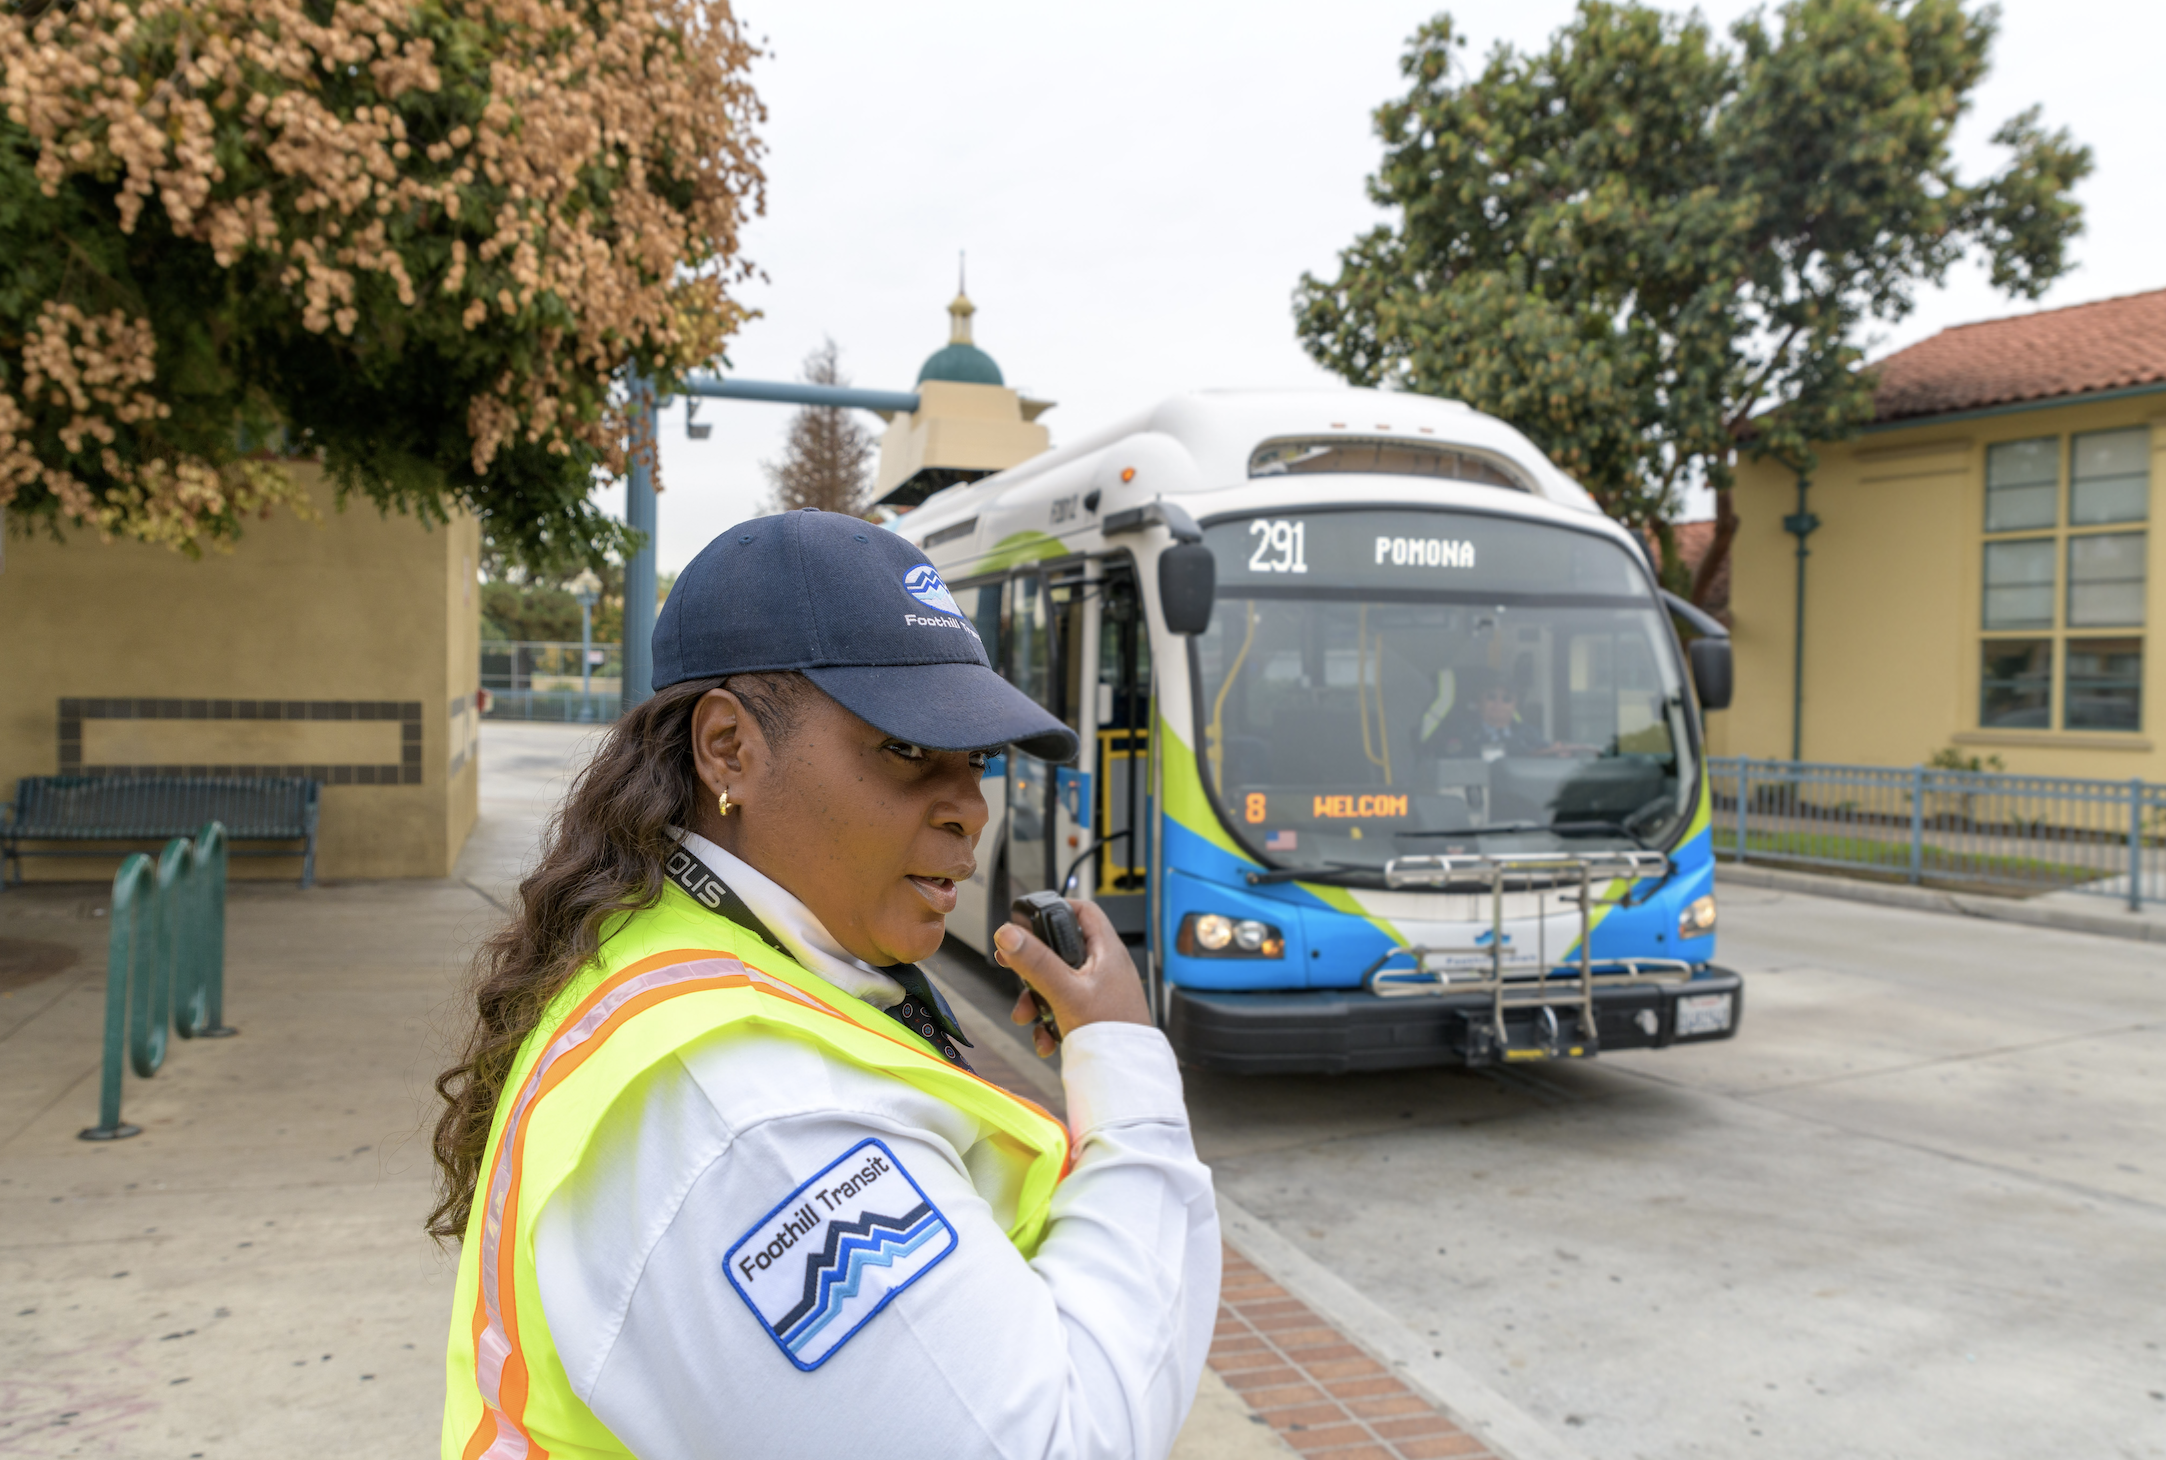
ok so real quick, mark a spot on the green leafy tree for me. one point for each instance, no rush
(1651, 250)
(529, 611)
(421, 241)
(524, 607)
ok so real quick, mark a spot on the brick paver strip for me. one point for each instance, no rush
(1323, 1395)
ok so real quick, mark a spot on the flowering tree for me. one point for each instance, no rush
(419, 240)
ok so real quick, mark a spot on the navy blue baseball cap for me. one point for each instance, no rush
(863, 615)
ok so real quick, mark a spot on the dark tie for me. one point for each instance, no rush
(926, 1012)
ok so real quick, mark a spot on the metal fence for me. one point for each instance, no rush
(561, 707)
(165, 963)
(549, 666)
(1988, 829)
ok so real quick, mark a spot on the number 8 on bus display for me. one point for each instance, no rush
(1253, 809)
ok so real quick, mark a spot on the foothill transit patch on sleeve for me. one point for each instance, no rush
(836, 1251)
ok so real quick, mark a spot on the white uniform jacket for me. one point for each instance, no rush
(1091, 1349)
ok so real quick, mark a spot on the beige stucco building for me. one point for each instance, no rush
(1982, 575)
(346, 650)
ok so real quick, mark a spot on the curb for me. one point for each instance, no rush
(1507, 1430)
(2132, 927)
(1485, 1416)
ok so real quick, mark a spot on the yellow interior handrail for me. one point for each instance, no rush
(1361, 694)
(1215, 737)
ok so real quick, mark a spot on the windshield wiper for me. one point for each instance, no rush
(1336, 872)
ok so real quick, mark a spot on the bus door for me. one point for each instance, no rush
(1045, 634)
(973, 919)
(1052, 635)
(1028, 640)
(1113, 874)
(1074, 640)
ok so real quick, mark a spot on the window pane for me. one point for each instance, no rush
(2105, 579)
(985, 618)
(2112, 477)
(1030, 643)
(1394, 458)
(2023, 481)
(2012, 509)
(2019, 584)
(2016, 684)
(2105, 685)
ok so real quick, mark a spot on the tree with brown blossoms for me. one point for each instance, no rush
(422, 241)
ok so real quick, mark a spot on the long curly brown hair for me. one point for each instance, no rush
(602, 854)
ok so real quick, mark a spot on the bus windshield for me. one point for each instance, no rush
(1395, 682)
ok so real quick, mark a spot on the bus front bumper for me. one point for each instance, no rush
(1342, 1031)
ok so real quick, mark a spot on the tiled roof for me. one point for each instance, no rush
(2108, 345)
(1693, 540)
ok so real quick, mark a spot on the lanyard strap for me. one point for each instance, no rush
(922, 1010)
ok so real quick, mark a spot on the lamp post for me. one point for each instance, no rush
(1800, 524)
(586, 588)
(637, 654)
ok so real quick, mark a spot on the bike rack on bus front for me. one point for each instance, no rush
(1496, 874)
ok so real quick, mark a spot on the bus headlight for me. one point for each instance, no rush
(1698, 918)
(1214, 935)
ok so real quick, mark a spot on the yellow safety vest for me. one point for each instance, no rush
(666, 977)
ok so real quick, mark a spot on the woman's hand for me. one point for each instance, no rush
(1104, 990)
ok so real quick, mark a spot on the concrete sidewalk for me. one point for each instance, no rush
(2067, 911)
(250, 1270)
(248, 1278)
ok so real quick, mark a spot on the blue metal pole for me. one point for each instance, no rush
(639, 515)
(586, 652)
(2135, 844)
(1744, 798)
(1917, 823)
(798, 393)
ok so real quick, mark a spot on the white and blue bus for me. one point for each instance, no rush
(1392, 752)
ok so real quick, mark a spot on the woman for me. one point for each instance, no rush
(724, 1183)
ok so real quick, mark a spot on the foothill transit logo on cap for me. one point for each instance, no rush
(923, 583)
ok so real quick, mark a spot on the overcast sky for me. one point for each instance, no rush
(1139, 188)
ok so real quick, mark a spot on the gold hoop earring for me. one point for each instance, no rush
(724, 802)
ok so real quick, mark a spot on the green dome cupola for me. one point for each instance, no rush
(960, 360)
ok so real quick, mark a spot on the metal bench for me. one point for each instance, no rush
(153, 808)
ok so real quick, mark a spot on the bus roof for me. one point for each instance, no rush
(1204, 441)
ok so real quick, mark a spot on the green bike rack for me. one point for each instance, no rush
(165, 963)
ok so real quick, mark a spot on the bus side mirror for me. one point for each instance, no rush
(1187, 580)
(1711, 676)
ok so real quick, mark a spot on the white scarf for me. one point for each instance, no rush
(803, 936)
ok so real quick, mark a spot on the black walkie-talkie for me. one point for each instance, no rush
(1054, 923)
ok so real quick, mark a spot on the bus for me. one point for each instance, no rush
(1391, 749)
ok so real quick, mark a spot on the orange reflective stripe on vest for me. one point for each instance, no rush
(500, 1367)
(501, 1371)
